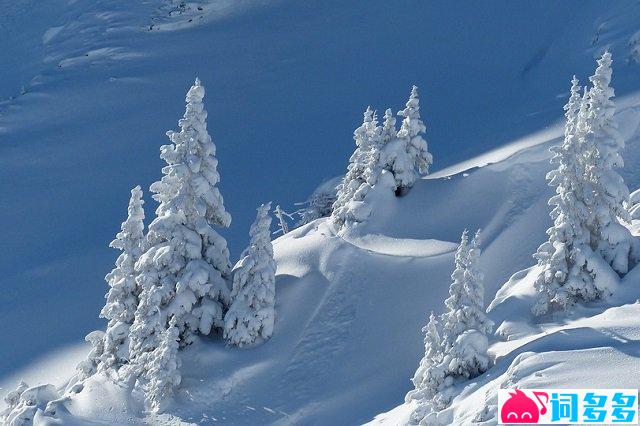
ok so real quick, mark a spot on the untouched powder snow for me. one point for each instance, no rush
(90, 88)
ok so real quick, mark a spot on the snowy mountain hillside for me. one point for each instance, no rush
(88, 90)
(349, 312)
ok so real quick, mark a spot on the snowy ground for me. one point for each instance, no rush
(89, 88)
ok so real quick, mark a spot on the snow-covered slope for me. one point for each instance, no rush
(100, 89)
(349, 311)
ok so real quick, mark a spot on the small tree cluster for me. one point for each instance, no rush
(407, 155)
(456, 347)
(172, 283)
(184, 269)
(381, 151)
(590, 200)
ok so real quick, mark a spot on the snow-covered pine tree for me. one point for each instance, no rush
(122, 298)
(429, 376)
(184, 270)
(459, 351)
(603, 145)
(407, 156)
(465, 324)
(565, 275)
(251, 315)
(350, 194)
(162, 368)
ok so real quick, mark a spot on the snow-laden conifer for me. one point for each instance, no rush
(251, 316)
(389, 130)
(429, 376)
(459, 351)
(122, 298)
(183, 271)
(465, 323)
(407, 155)
(563, 260)
(603, 145)
(162, 368)
(348, 205)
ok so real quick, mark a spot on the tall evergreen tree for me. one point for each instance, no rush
(251, 316)
(466, 325)
(603, 145)
(184, 270)
(407, 156)
(122, 298)
(459, 351)
(565, 273)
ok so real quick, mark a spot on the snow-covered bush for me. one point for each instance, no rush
(251, 315)
(407, 155)
(319, 204)
(183, 272)
(12, 399)
(122, 298)
(25, 402)
(88, 367)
